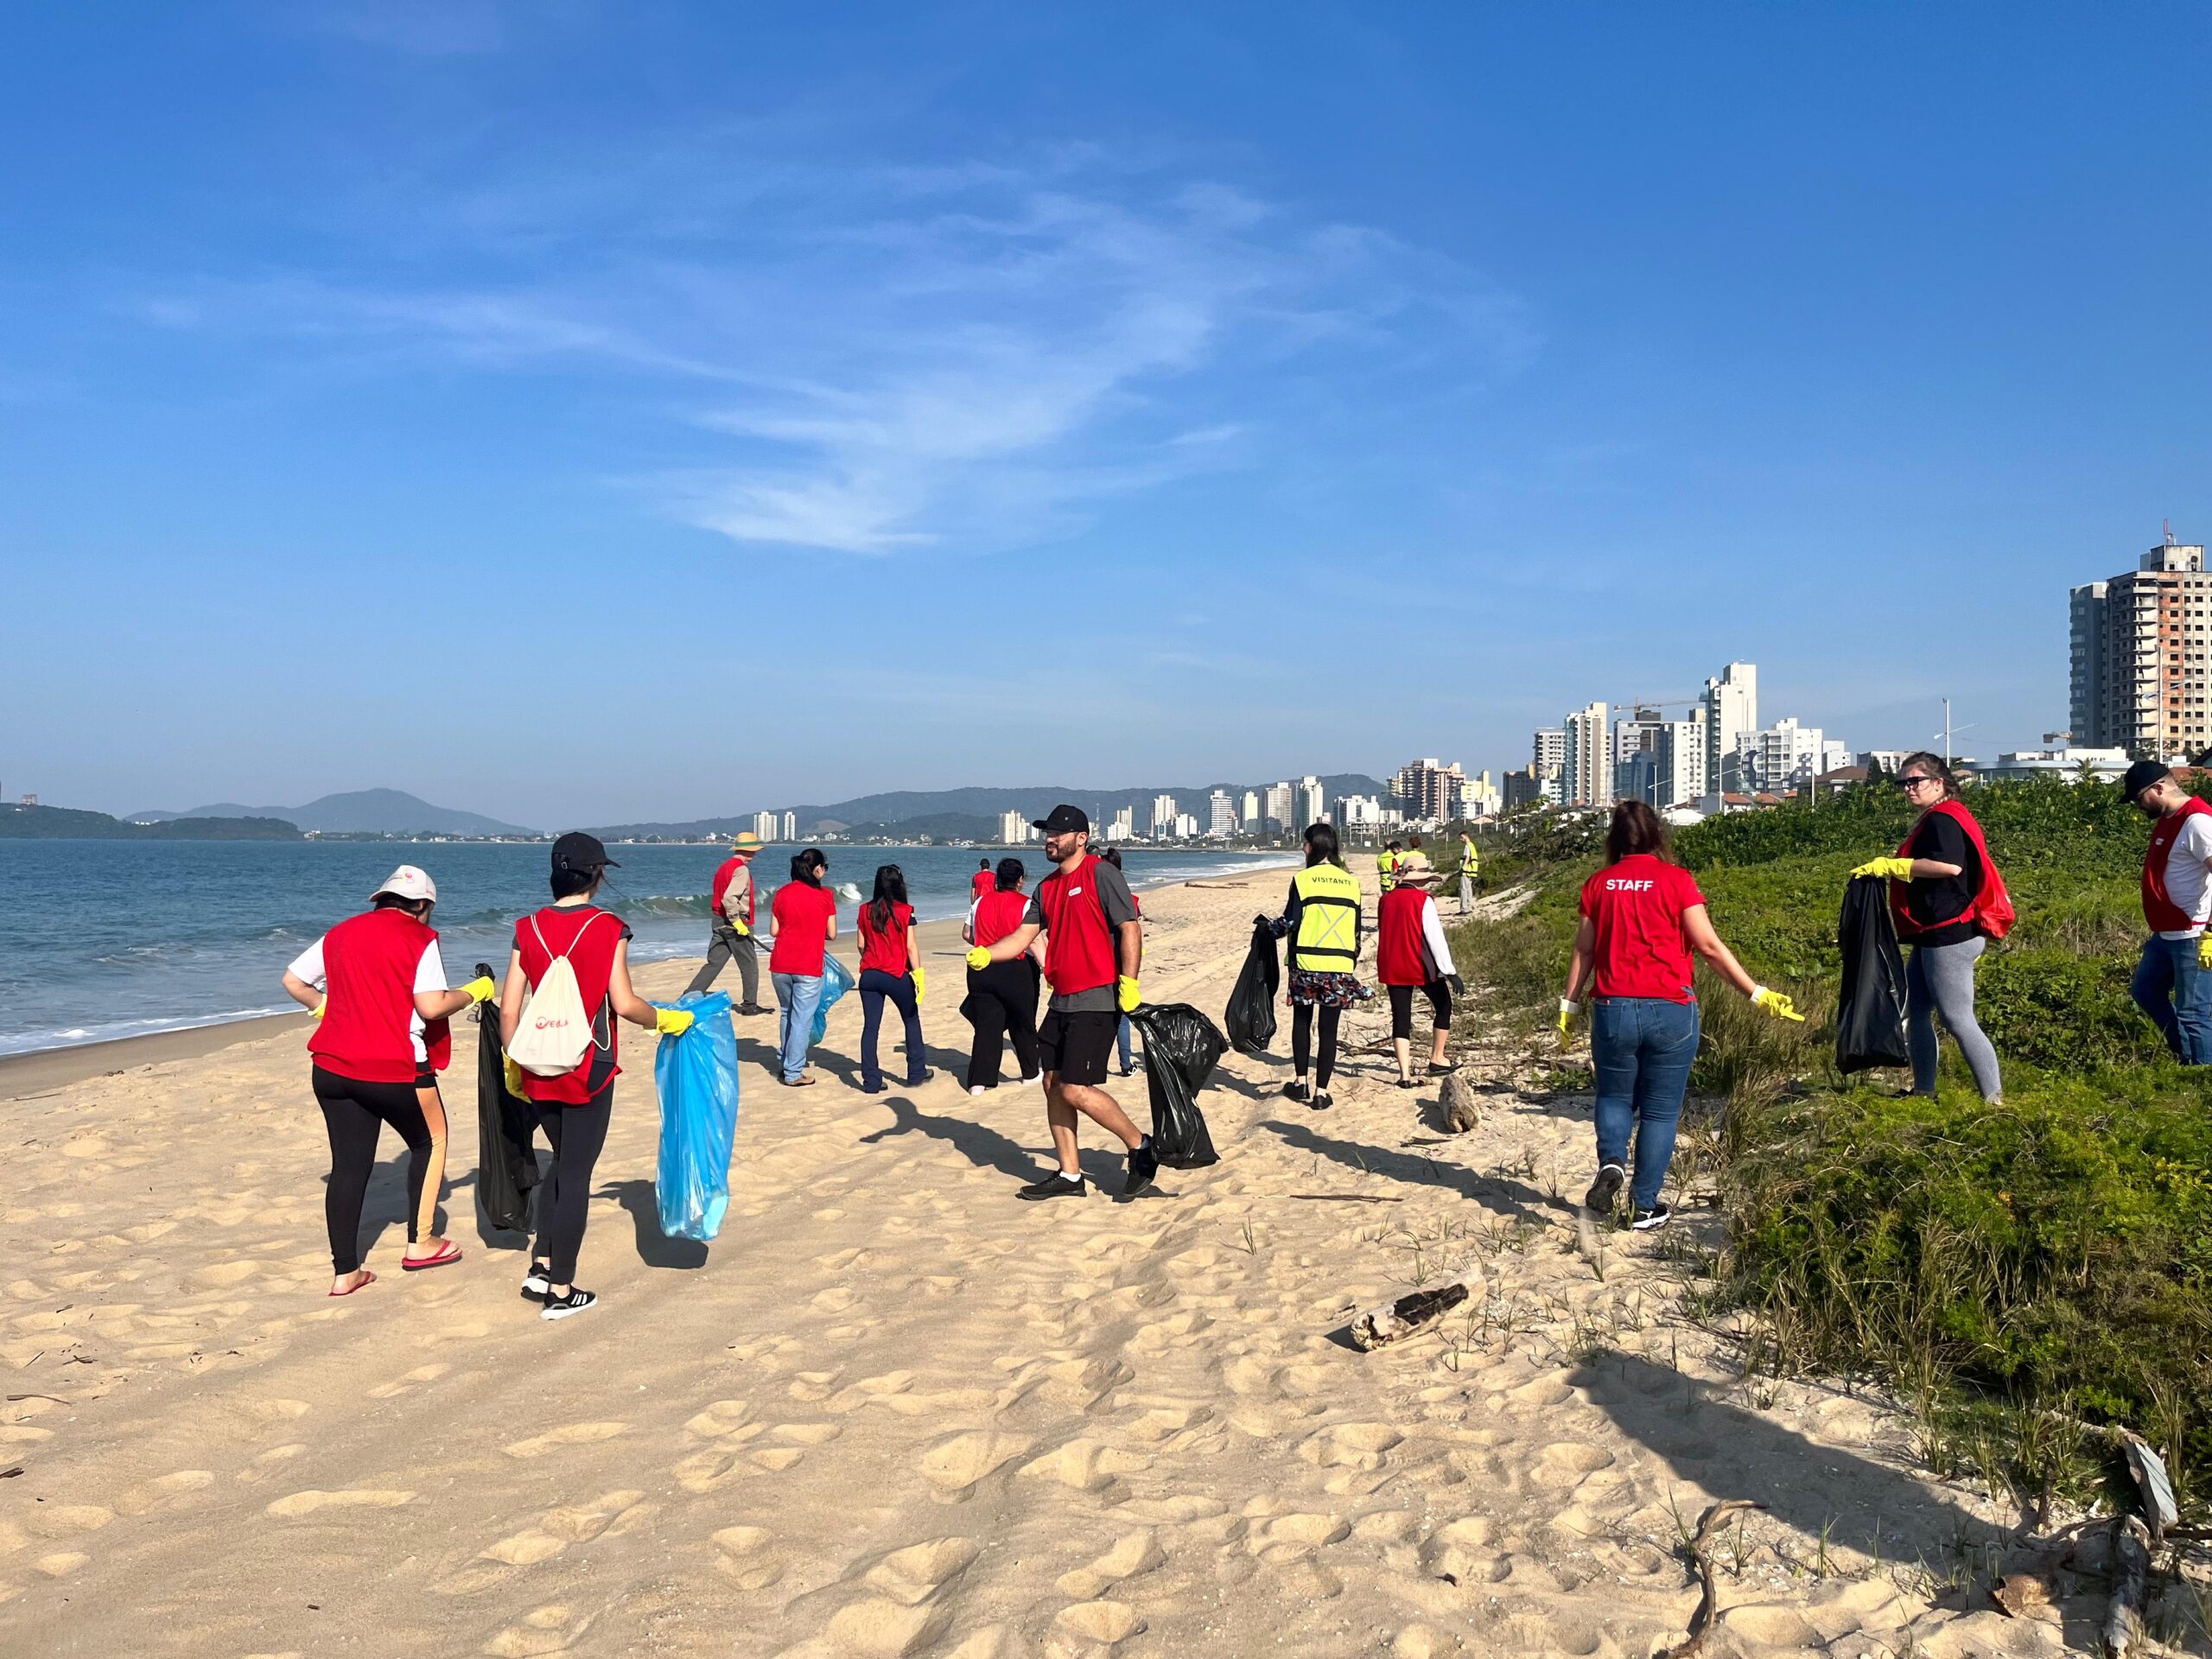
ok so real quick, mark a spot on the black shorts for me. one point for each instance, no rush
(1077, 1046)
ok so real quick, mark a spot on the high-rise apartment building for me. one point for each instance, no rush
(1221, 814)
(2141, 668)
(1547, 758)
(1729, 709)
(1359, 812)
(1013, 828)
(1426, 791)
(1124, 824)
(1250, 814)
(791, 826)
(1312, 801)
(1781, 757)
(1680, 763)
(1164, 810)
(1279, 807)
(1587, 760)
(1636, 734)
(764, 825)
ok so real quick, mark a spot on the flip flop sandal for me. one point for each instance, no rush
(451, 1253)
(367, 1279)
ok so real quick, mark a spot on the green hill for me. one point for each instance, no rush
(70, 823)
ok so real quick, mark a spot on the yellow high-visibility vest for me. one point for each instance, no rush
(1471, 861)
(1328, 920)
(1386, 868)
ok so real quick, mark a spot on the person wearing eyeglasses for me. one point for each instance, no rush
(1939, 879)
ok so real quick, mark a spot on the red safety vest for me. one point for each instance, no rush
(1991, 910)
(723, 877)
(365, 1033)
(1400, 944)
(1080, 952)
(2158, 909)
(998, 914)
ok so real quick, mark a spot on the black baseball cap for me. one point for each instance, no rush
(581, 854)
(1062, 820)
(2142, 775)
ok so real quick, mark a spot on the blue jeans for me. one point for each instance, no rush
(1642, 1047)
(875, 988)
(798, 995)
(2177, 995)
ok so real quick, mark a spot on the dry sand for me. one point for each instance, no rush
(893, 1410)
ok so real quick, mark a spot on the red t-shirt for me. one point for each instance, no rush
(1636, 907)
(998, 914)
(803, 915)
(885, 952)
(981, 883)
(588, 936)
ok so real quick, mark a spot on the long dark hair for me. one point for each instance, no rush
(890, 894)
(1321, 843)
(1636, 829)
(1010, 874)
(808, 866)
(1937, 767)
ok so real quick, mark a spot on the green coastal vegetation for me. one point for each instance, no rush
(2013, 1271)
(72, 823)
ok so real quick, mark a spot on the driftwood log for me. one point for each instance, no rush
(1462, 1110)
(1395, 1321)
(1708, 1601)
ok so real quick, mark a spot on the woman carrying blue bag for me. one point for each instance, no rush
(696, 1073)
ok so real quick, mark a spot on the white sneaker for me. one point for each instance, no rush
(1039, 1078)
(977, 1089)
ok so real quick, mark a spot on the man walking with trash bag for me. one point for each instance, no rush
(1094, 945)
(2173, 984)
(733, 897)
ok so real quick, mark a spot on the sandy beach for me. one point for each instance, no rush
(892, 1410)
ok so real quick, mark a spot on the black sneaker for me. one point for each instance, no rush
(752, 1008)
(538, 1281)
(1053, 1187)
(1606, 1192)
(577, 1300)
(1435, 1070)
(1651, 1220)
(1321, 1102)
(1408, 1083)
(1297, 1091)
(1144, 1164)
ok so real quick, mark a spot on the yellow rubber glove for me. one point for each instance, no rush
(980, 957)
(1899, 869)
(739, 928)
(2204, 948)
(1776, 1003)
(1566, 1012)
(320, 1009)
(512, 1073)
(919, 990)
(672, 1022)
(1126, 995)
(482, 988)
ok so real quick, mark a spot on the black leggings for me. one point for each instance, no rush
(1401, 1007)
(1002, 1003)
(577, 1134)
(1301, 1040)
(355, 1112)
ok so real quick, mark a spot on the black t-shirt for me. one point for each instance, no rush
(1936, 899)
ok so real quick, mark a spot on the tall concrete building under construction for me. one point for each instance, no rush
(2141, 669)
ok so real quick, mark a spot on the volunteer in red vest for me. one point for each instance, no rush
(1941, 879)
(1643, 920)
(982, 882)
(573, 1108)
(1411, 954)
(2173, 984)
(377, 985)
(1002, 999)
(731, 894)
(805, 911)
(891, 971)
(1113, 855)
(1093, 946)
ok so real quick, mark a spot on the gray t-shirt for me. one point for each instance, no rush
(1121, 905)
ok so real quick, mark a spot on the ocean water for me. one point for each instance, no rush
(101, 938)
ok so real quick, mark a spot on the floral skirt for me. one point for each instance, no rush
(1312, 990)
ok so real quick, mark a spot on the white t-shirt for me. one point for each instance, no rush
(429, 976)
(2189, 875)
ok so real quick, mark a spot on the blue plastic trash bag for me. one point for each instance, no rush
(696, 1076)
(836, 980)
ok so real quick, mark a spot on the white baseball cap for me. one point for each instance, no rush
(409, 883)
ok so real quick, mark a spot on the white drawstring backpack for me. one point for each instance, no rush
(554, 1032)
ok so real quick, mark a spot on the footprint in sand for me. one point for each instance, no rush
(810, 1386)
(276, 1411)
(570, 1434)
(906, 1601)
(1091, 1624)
(61, 1563)
(156, 1494)
(953, 1465)
(1460, 1553)
(268, 1462)
(313, 1501)
(415, 1378)
(573, 1524)
(1351, 1446)
(1086, 1465)
(746, 1556)
(721, 1417)
(548, 1629)
(1133, 1553)
(1282, 1539)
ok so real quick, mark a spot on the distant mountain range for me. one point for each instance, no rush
(971, 814)
(72, 823)
(361, 811)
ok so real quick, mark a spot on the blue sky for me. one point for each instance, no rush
(783, 403)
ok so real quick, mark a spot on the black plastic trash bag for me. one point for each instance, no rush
(1181, 1047)
(1251, 1016)
(1870, 1019)
(507, 1167)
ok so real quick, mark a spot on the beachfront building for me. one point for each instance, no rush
(1728, 709)
(1280, 806)
(1679, 761)
(1359, 812)
(1251, 815)
(1186, 827)
(1221, 815)
(1786, 755)
(1548, 763)
(1585, 767)
(765, 825)
(1163, 817)
(1015, 830)
(791, 826)
(1312, 801)
(1427, 791)
(2141, 655)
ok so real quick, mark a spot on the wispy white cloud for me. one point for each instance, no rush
(962, 356)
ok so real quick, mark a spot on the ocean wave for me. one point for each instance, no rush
(37, 1040)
